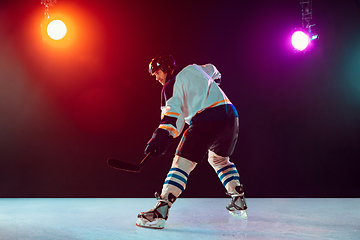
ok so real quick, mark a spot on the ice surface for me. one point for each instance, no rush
(189, 218)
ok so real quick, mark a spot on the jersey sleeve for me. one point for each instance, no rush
(172, 114)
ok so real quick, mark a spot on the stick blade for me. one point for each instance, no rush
(125, 166)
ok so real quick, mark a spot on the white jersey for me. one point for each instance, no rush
(191, 92)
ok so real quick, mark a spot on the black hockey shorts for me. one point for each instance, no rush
(217, 136)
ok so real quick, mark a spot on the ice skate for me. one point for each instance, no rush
(237, 206)
(156, 217)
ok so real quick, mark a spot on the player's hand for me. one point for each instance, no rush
(159, 143)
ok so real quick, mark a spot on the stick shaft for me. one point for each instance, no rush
(146, 158)
(125, 166)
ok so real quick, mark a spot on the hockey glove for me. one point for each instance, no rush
(159, 143)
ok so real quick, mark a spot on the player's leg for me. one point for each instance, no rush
(176, 179)
(174, 185)
(229, 177)
(227, 172)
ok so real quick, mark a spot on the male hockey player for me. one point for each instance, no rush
(193, 96)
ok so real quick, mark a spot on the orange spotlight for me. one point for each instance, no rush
(59, 31)
(56, 29)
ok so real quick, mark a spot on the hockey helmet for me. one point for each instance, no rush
(162, 61)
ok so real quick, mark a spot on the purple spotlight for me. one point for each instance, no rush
(300, 40)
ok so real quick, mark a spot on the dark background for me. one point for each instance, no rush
(66, 106)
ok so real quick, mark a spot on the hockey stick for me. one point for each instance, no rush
(125, 166)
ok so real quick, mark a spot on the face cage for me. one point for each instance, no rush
(166, 69)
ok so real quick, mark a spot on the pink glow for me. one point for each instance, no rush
(300, 40)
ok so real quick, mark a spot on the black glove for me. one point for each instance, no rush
(159, 143)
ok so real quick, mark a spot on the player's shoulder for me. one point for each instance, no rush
(195, 70)
(189, 69)
(182, 74)
(209, 67)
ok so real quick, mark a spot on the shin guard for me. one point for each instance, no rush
(176, 179)
(225, 170)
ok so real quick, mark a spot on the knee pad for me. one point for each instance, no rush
(217, 160)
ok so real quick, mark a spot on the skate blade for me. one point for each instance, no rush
(239, 214)
(157, 224)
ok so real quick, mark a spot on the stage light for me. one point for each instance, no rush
(300, 40)
(56, 29)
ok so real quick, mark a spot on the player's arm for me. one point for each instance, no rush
(171, 124)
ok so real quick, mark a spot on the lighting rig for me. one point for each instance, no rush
(56, 29)
(301, 38)
(47, 4)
